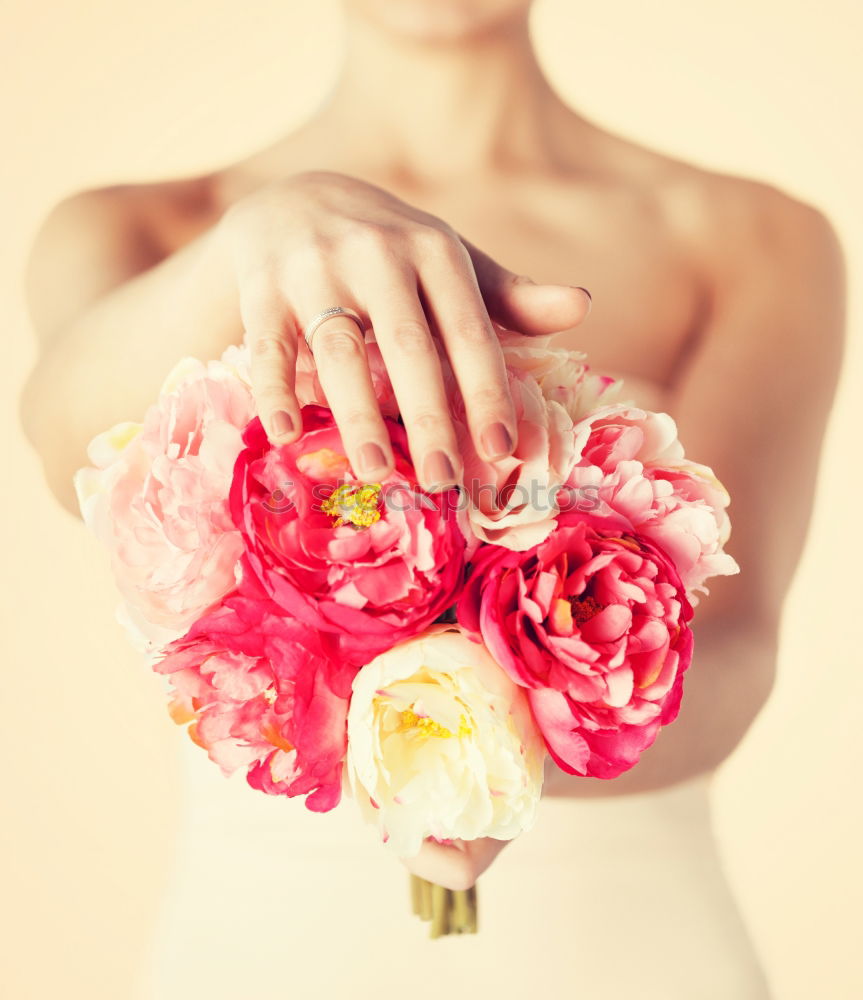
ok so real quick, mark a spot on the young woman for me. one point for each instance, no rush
(442, 185)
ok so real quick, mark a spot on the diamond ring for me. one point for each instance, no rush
(326, 314)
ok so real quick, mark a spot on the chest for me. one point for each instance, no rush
(648, 295)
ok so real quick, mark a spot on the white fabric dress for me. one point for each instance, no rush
(602, 899)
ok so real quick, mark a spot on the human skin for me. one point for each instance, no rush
(718, 299)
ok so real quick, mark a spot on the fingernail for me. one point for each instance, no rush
(496, 441)
(371, 456)
(581, 288)
(281, 422)
(438, 469)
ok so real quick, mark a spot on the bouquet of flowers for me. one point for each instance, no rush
(419, 653)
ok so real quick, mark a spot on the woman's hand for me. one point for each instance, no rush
(321, 239)
(456, 864)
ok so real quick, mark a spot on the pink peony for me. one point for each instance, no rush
(265, 693)
(594, 623)
(692, 525)
(371, 563)
(562, 375)
(622, 432)
(631, 463)
(157, 497)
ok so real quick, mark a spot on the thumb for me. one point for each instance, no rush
(518, 303)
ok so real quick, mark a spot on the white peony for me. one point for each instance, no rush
(441, 743)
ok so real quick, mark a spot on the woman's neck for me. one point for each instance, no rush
(435, 111)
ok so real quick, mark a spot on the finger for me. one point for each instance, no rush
(448, 865)
(457, 864)
(518, 303)
(413, 364)
(339, 352)
(483, 851)
(272, 337)
(454, 301)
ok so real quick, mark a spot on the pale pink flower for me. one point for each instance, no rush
(157, 496)
(562, 375)
(512, 500)
(631, 462)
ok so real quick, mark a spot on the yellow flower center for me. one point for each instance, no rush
(425, 727)
(357, 504)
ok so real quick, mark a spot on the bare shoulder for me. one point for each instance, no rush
(730, 226)
(737, 223)
(175, 211)
(767, 259)
(756, 386)
(778, 260)
(158, 212)
(97, 238)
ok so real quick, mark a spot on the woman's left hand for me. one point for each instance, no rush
(456, 864)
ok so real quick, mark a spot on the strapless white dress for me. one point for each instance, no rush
(602, 899)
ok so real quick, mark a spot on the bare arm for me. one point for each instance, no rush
(753, 403)
(112, 318)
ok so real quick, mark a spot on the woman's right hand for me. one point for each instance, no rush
(321, 239)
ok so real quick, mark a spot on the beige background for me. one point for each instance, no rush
(99, 91)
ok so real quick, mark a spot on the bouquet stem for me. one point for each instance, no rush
(450, 911)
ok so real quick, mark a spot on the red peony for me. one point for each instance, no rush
(369, 564)
(264, 692)
(593, 621)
